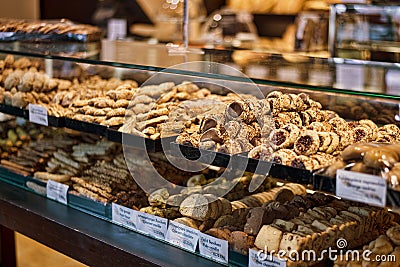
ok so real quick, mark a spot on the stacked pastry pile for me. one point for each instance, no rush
(110, 181)
(41, 27)
(12, 137)
(163, 202)
(385, 252)
(309, 137)
(371, 158)
(238, 127)
(93, 173)
(104, 107)
(360, 108)
(315, 222)
(164, 110)
(33, 156)
(25, 84)
(229, 222)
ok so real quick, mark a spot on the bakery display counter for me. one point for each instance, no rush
(248, 150)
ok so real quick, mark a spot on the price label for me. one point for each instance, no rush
(361, 187)
(152, 225)
(38, 114)
(124, 216)
(182, 236)
(260, 259)
(57, 191)
(213, 248)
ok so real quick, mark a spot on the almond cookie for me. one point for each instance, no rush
(307, 143)
(261, 152)
(294, 132)
(334, 143)
(329, 114)
(114, 121)
(119, 112)
(324, 140)
(121, 103)
(323, 159)
(284, 156)
(305, 118)
(296, 103)
(188, 222)
(279, 138)
(291, 117)
(346, 138)
(338, 124)
(279, 122)
(362, 134)
(316, 114)
(316, 126)
(372, 126)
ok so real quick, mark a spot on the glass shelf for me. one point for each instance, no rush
(313, 71)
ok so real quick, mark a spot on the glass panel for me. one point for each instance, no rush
(292, 69)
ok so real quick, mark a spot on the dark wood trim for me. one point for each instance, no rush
(7, 246)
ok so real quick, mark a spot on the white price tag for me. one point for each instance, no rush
(117, 29)
(259, 259)
(152, 225)
(38, 114)
(361, 187)
(124, 216)
(213, 248)
(182, 236)
(57, 191)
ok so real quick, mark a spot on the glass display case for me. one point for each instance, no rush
(138, 113)
(362, 31)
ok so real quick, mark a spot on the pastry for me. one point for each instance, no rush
(268, 238)
(283, 156)
(334, 143)
(188, 222)
(307, 143)
(338, 124)
(394, 235)
(279, 138)
(196, 206)
(356, 151)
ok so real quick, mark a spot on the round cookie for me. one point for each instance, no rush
(279, 138)
(293, 130)
(334, 143)
(338, 124)
(283, 156)
(305, 118)
(324, 140)
(307, 143)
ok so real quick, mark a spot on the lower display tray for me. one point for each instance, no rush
(89, 205)
(12, 176)
(242, 162)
